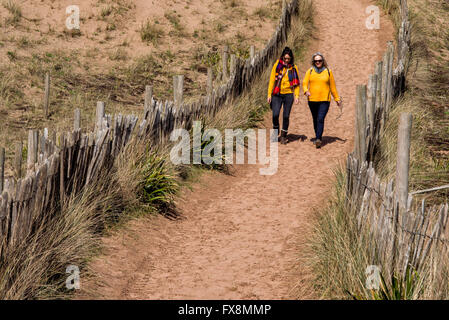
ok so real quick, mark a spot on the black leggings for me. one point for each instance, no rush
(276, 103)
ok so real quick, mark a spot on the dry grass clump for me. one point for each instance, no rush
(151, 32)
(262, 12)
(175, 21)
(339, 258)
(14, 10)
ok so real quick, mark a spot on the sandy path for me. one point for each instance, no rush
(241, 235)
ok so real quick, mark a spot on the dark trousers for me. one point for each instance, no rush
(277, 102)
(319, 110)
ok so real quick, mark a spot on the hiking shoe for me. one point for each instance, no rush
(284, 137)
(317, 143)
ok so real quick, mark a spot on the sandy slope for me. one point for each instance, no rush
(241, 236)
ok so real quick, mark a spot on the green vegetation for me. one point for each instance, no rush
(262, 12)
(174, 20)
(150, 32)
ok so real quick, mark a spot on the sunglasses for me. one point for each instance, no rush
(316, 61)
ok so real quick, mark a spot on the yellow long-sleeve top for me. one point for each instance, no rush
(285, 83)
(320, 85)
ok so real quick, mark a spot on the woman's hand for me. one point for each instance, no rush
(269, 99)
(296, 100)
(338, 103)
(307, 94)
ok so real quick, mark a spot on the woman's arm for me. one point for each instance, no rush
(333, 87)
(272, 78)
(305, 83)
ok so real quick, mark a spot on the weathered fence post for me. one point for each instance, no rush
(403, 159)
(378, 71)
(360, 135)
(225, 63)
(42, 143)
(233, 65)
(77, 119)
(33, 138)
(18, 160)
(389, 87)
(61, 170)
(178, 88)
(99, 116)
(210, 81)
(47, 94)
(148, 98)
(2, 169)
(371, 99)
(385, 61)
(371, 111)
(252, 52)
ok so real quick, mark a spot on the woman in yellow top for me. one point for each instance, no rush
(283, 89)
(318, 85)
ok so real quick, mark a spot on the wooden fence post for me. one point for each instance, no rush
(233, 64)
(210, 81)
(99, 116)
(148, 98)
(378, 71)
(178, 88)
(225, 63)
(18, 160)
(77, 119)
(389, 86)
(2, 169)
(403, 159)
(371, 100)
(385, 61)
(252, 52)
(47, 94)
(33, 140)
(61, 170)
(360, 136)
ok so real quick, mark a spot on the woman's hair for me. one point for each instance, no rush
(322, 57)
(288, 51)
